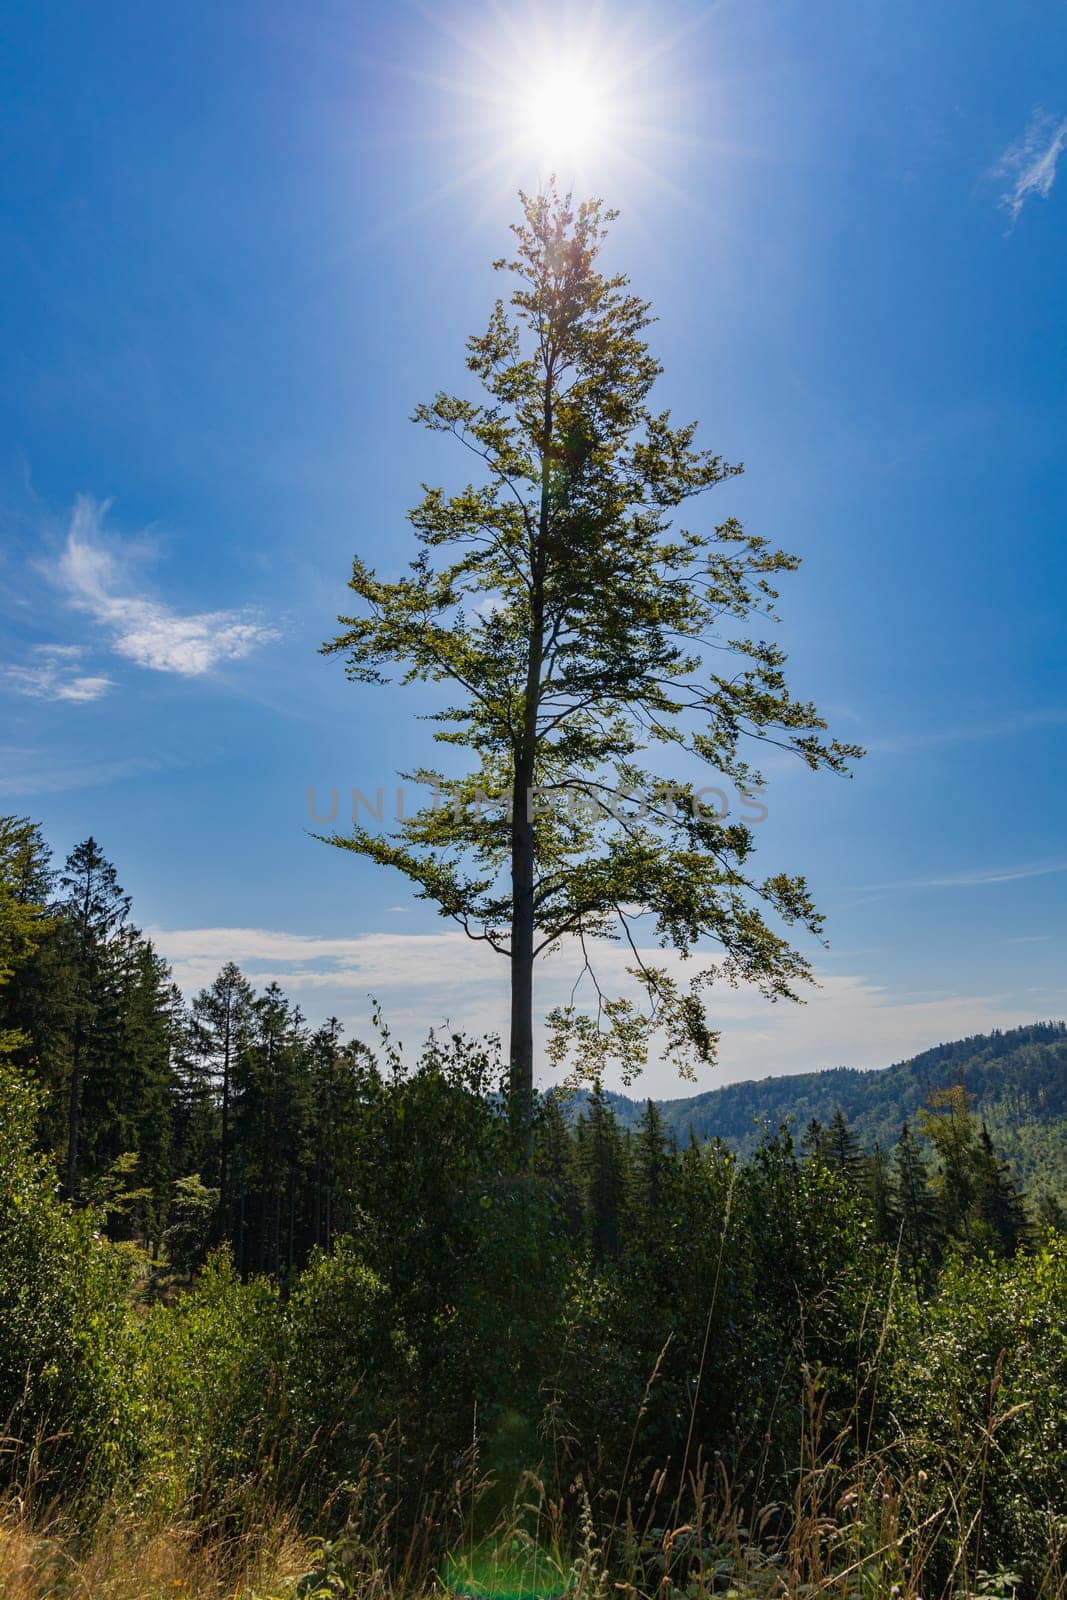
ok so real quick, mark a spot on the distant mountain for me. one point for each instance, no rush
(1018, 1079)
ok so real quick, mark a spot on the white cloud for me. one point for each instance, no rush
(1030, 163)
(148, 632)
(433, 979)
(53, 675)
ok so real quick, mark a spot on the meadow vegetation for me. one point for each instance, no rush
(635, 1366)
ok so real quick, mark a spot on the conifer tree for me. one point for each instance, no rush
(271, 1116)
(1051, 1214)
(998, 1204)
(812, 1139)
(840, 1148)
(879, 1187)
(555, 1161)
(605, 1177)
(194, 1107)
(552, 1147)
(135, 1113)
(95, 909)
(914, 1207)
(222, 1020)
(338, 1072)
(650, 1179)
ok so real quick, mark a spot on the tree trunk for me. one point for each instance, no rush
(74, 1112)
(523, 905)
(520, 1097)
(523, 834)
(224, 1138)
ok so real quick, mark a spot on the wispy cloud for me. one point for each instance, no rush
(53, 674)
(1006, 727)
(981, 876)
(26, 772)
(146, 631)
(971, 878)
(1030, 163)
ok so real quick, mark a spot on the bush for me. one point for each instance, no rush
(211, 1374)
(193, 1216)
(347, 1366)
(978, 1379)
(67, 1393)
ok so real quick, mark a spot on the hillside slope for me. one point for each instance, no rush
(1018, 1079)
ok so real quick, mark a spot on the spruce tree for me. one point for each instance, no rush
(271, 1124)
(94, 909)
(812, 1140)
(915, 1211)
(194, 1107)
(650, 1181)
(338, 1074)
(999, 1205)
(840, 1148)
(555, 1162)
(134, 1111)
(222, 1020)
(878, 1184)
(605, 1174)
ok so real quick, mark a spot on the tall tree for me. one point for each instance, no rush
(136, 1111)
(222, 1021)
(95, 909)
(948, 1124)
(339, 1072)
(879, 1187)
(272, 1093)
(840, 1148)
(915, 1213)
(605, 1175)
(554, 1162)
(194, 1104)
(998, 1203)
(575, 626)
(650, 1179)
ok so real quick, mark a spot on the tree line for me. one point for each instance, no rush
(227, 1118)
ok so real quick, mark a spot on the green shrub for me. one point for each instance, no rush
(347, 1366)
(67, 1395)
(211, 1368)
(978, 1382)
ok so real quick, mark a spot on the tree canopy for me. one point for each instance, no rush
(578, 626)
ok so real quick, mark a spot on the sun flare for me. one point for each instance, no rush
(566, 113)
(578, 95)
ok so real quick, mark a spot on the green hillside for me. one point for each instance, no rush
(1018, 1079)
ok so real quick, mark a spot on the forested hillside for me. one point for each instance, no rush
(1017, 1081)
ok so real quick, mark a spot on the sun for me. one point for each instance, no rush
(602, 103)
(566, 113)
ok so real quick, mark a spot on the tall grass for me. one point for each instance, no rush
(883, 1527)
(125, 1557)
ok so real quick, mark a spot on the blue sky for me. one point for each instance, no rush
(241, 242)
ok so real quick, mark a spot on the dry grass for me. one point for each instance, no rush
(41, 1558)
